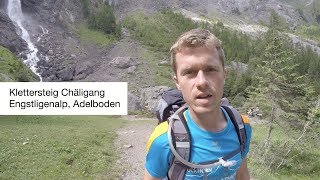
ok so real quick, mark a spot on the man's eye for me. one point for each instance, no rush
(212, 69)
(188, 72)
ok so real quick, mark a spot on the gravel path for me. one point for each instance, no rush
(131, 143)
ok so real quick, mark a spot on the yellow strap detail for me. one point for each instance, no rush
(245, 119)
(159, 130)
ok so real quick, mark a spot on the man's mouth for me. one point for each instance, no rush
(204, 96)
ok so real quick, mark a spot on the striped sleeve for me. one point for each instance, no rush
(158, 152)
(159, 130)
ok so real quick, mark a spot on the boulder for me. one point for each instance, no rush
(123, 62)
(134, 102)
(84, 68)
(79, 77)
(150, 97)
(66, 74)
(131, 69)
(238, 66)
(164, 63)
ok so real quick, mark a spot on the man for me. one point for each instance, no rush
(197, 60)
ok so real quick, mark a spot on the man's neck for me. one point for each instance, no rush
(213, 121)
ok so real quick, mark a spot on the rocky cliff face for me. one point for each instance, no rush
(54, 12)
(3, 5)
(251, 11)
(259, 10)
(8, 35)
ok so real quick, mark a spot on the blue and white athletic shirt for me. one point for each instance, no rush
(205, 146)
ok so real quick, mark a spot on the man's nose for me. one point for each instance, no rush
(201, 80)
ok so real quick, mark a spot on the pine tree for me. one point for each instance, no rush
(280, 93)
(277, 22)
(104, 21)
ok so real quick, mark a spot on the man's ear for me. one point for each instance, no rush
(176, 81)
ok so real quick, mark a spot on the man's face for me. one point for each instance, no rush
(200, 76)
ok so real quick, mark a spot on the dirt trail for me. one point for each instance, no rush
(131, 143)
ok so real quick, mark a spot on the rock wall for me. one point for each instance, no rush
(3, 5)
(252, 11)
(8, 35)
(58, 12)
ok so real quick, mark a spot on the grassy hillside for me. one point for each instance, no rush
(58, 147)
(157, 33)
(160, 30)
(12, 69)
(91, 36)
(301, 150)
(309, 31)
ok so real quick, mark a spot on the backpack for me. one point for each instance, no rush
(170, 108)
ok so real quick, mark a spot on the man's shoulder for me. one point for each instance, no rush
(245, 119)
(248, 129)
(247, 124)
(158, 136)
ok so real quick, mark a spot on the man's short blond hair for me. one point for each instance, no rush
(193, 39)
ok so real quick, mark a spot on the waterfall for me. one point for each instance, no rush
(15, 14)
(112, 2)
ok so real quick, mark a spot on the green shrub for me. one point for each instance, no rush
(105, 21)
(159, 31)
(87, 35)
(311, 32)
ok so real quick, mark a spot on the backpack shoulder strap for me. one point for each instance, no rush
(182, 143)
(237, 121)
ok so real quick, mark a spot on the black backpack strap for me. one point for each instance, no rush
(237, 121)
(182, 143)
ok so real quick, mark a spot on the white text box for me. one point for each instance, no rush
(63, 98)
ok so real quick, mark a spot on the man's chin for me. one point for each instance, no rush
(202, 109)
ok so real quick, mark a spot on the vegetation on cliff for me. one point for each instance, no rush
(13, 69)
